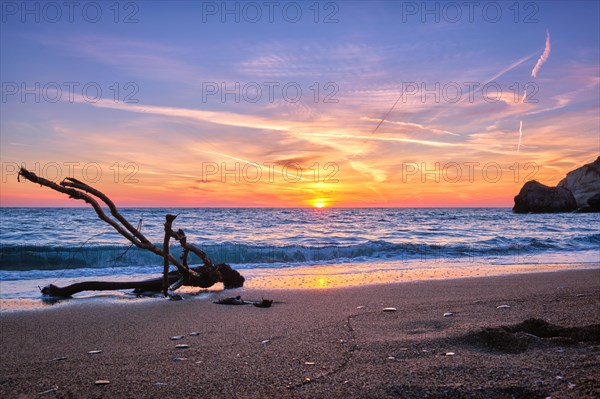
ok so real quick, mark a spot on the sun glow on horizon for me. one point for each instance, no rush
(319, 203)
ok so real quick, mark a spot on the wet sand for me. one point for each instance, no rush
(333, 343)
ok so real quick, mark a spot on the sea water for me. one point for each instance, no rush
(39, 246)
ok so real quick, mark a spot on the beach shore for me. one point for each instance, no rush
(318, 343)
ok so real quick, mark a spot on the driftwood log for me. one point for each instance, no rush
(228, 276)
(202, 276)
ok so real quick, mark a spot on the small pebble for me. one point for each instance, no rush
(176, 338)
(450, 353)
(309, 363)
(391, 358)
(195, 333)
(360, 307)
(182, 346)
(94, 352)
(102, 382)
(389, 309)
(503, 307)
(448, 314)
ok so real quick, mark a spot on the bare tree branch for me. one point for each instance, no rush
(204, 276)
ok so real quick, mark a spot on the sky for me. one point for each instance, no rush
(297, 104)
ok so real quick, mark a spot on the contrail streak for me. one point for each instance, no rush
(505, 70)
(520, 136)
(480, 87)
(543, 58)
(387, 113)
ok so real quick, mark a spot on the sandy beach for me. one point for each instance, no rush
(333, 343)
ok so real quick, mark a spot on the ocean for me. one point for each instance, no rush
(65, 245)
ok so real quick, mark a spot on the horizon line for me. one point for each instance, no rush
(264, 207)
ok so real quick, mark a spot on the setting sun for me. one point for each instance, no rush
(319, 204)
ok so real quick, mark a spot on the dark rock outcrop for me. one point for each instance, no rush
(579, 190)
(537, 197)
(593, 204)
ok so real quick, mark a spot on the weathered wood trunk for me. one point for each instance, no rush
(228, 276)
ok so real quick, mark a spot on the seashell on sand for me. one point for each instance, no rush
(450, 354)
(503, 307)
(102, 382)
(176, 338)
(448, 314)
(94, 352)
(389, 309)
(182, 346)
(194, 333)
(53, 389)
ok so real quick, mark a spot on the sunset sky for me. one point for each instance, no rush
(179, 120)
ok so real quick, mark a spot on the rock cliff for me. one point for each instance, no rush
(579, 190)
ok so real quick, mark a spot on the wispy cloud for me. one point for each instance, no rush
(411, 125)
(142, 58)
(381, 138)
(217, 117)
(285, 59)
(377, 175)
(259, 167)
(286, 128)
